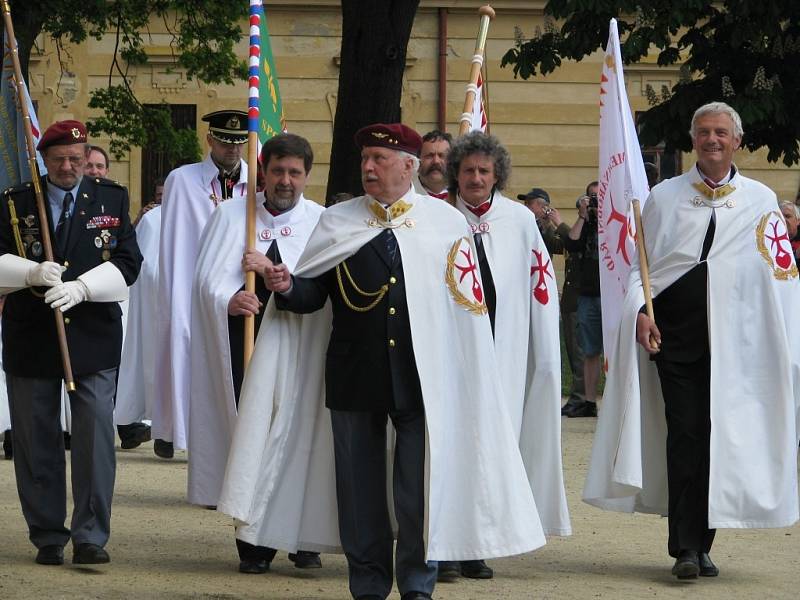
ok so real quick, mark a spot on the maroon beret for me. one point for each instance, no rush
(63, 133)
(395, 136)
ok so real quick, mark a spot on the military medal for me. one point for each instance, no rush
(106, 255)
(36, 248)
(98, 242)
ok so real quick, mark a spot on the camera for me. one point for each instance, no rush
(591, 212)
(591, 209)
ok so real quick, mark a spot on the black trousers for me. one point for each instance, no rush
(364, 525)
(686, 388)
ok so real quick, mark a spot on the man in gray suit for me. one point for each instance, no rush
(96, 258)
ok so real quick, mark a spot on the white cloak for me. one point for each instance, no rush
(527, 347)
(136, 384)
(280, 471)
(754, 338)
(190, 194)
(219, 276)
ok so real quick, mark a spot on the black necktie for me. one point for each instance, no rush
(273, 253)
(712, 227)
(391, 244)
(62, 229)
(489, 291)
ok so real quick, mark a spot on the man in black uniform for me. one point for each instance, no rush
(368, 381)
(96, 259)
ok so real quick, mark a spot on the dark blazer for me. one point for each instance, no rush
(370, 363)
(94, 329)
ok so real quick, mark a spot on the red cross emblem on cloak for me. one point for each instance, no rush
(541, 269)
(471, 269)
(772, 242)
(783, 255)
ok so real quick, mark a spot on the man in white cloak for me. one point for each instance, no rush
(432, 176)
(136, 387)
(725, 368)
(522, 297)
(285, 219)
(191, 193)
(403, 325)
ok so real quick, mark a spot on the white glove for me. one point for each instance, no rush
(105, 283)
(45, 274)
(66, 295)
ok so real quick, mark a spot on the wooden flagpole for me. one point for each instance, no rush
(487, 14)
(253, 120)
(644, 268)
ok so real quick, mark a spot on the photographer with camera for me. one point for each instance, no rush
(583, 239)
(554, 231)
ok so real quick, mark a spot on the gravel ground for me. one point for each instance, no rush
(161, 547)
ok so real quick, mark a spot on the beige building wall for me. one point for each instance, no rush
(550, 124)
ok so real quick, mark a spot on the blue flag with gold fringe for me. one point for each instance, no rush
(14, 167)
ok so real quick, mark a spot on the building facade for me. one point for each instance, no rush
(549, 124)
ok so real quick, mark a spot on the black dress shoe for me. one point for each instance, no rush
(133, 435)
(370, 597)
(566, 409)
(253, 567)
(306, 560)
(707, 568)
(415, 596)
(50, 555)
(8, 448)
(163, 449)
(89, 554)
(476, 569)
(448, 570)
(687, 565)
(585, 409)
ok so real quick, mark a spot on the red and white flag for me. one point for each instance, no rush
(477, 118)
(622, 179)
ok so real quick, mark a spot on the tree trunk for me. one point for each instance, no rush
(28, 23)
(373, 58)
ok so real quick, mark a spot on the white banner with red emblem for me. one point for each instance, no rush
(622, 179)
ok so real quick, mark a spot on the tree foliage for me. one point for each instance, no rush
(743, 52)
(203, 34)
